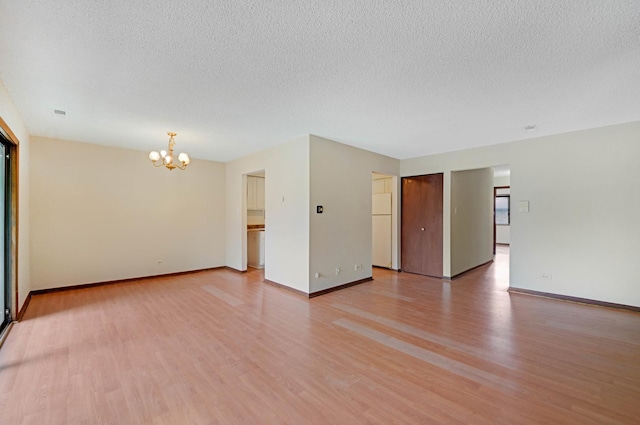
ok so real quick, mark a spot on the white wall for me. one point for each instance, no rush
(503, 234)
(11, 117)
(286, 170)
(502, 181)
(471, 219)
(585, 232)
(340, 237)
(101, 213)
(299, 175)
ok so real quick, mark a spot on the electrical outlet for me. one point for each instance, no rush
(337, 271)
(546, 276)
(358, 267)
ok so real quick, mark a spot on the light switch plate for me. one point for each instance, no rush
(523, 206)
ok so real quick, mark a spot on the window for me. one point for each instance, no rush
(503, 209)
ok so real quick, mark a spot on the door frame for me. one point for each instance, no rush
(11, 220)
(495, 194)
(244, 214)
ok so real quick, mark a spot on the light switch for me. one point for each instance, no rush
(523, 206)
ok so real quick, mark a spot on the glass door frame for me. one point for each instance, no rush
(5, 313)
(10, 236)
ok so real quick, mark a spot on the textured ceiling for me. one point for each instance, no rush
(401, 78)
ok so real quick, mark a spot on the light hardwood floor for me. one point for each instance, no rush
(224, 348)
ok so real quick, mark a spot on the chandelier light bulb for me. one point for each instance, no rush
(154, 156)
(184, 158)
(163, 153)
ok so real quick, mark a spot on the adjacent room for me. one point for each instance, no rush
(352, 212)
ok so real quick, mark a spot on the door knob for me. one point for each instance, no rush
(422, 228)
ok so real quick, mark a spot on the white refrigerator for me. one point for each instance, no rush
(381, 230)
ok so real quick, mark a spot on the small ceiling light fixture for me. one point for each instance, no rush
(163, 158)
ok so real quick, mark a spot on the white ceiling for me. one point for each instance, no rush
(401, 78)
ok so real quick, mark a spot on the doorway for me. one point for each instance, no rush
(256, 220)
(422, 224)
(382, 201)
(501, 224)
(501, 216)
(501, 206)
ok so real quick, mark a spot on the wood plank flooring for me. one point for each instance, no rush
(220, 347)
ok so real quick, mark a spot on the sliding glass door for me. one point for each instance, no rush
(5, 293)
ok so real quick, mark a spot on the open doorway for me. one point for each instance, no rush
(502, 222)
(384, 221)
(473, 219)
(502, 216)
(501, 206)
(256, 219)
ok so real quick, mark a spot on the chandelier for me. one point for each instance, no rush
(163, 158)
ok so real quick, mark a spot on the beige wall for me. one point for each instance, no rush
(12, 118)
(100, 213)
(103, 214)
(286, 169)
(585, 232)
(340, 237)
(299, 175)
(503, 233)
(502, 181)
(471, 219)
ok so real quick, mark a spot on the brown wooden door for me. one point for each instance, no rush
(421, 228)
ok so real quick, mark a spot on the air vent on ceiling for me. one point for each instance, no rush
(59, 112)
(531, 127)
